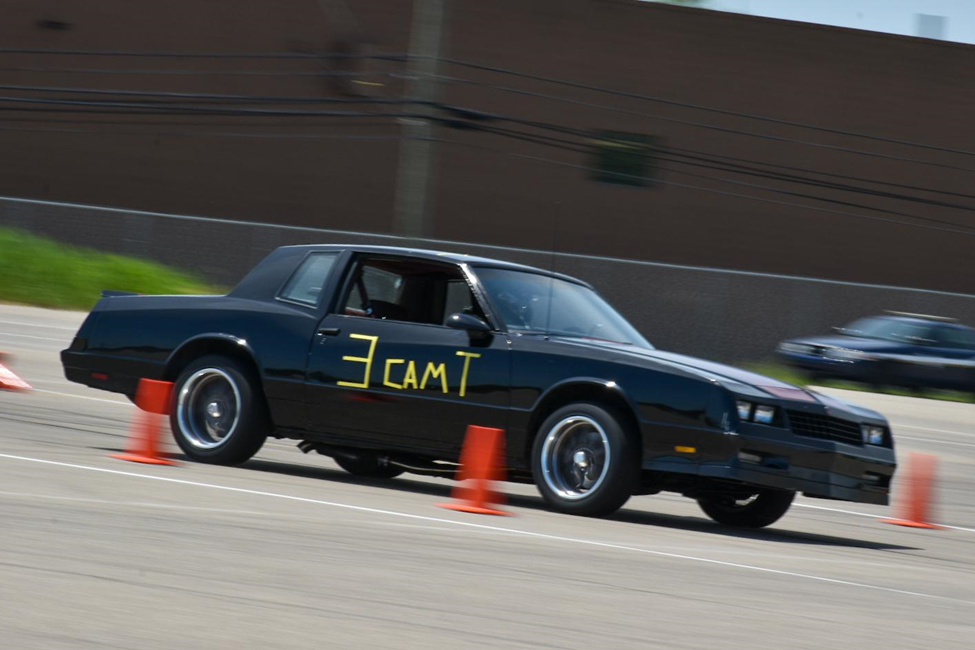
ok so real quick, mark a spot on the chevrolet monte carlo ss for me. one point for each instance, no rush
(381, 357)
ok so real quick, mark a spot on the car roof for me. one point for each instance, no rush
(439, 256)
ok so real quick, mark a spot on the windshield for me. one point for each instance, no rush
(888, 329)
(529, 302)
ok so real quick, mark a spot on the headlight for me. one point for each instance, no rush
(764, 414)
(758, 413)
(744, 411)
(847, 355)
(792, 348)
(873, 435)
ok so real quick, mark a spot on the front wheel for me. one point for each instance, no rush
(758, 510)
(585, 461)
(218, 414)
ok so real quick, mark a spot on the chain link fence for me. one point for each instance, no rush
(720, 314)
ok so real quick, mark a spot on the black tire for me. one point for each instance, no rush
(367, 465)
(234, 388)
(765, 508)
(607, 447)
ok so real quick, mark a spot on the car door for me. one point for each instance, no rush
(947, 358)
(387, 372)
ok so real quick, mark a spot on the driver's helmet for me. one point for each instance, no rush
(515, 307)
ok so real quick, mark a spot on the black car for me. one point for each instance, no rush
(895, 349)
(381, 357)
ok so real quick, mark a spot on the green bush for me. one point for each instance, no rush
(38, 271)
(798, 378)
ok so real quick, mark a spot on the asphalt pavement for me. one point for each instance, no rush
(288, 551)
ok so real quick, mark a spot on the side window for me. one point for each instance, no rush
(375, 292)
(306, 283)
(460, 300)
(412, 291)
(956, 337)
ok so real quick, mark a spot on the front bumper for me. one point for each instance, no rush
(773, 457)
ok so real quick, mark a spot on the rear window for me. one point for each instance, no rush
(306, 283)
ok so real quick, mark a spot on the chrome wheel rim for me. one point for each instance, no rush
(575, 457)
(208, 408)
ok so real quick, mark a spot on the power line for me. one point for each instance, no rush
(700, 188)
(817, 172)
(661, 154)
(156, 108)
(200, 73)
(711, 127)
(784, 192)
(742, 169)
(774, 175)
(212, 134)
(567, 145)
(271, 99)
(141, 108)
(203, 55)
(711, 109)
(218, 96)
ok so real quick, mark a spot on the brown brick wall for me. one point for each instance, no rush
(894, 87)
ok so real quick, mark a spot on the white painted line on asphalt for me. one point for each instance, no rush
(117, 402)
(524, 533)
(29, 346)
(916, 428)
(39, 338)
(937, 442)
(874, 516)
(47, 327)
(800, 505)
(133, 504)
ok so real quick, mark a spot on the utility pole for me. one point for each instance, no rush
(414, 178)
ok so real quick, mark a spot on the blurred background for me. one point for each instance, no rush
(729, 174)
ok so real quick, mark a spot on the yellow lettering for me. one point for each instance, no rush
(366, 360)
(467, 366)
(410, 378)
(386, 382)
(435, 372)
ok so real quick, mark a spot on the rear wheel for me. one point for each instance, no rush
(585, 461)
(758, 510)
(218, 413)
(367, 465)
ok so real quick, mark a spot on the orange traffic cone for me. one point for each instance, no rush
(481, 463)
(8, 380)
(153, 398)
(916, 510)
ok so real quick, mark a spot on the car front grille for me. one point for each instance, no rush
(817, 425)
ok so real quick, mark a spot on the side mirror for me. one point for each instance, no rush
(468, 322)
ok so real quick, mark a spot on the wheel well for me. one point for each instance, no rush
(203, 347)
(581, 392)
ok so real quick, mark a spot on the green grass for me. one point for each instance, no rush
(792, 376)
(41, 272)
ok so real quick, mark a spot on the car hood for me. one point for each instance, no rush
(706, 369)
(742, 382)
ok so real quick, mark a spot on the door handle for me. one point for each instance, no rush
(328, 331)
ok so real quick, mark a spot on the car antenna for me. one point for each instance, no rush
(551, 268)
